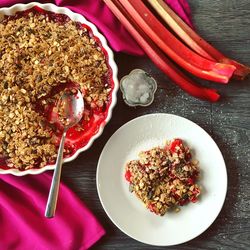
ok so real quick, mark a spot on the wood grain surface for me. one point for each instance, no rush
(226, 24)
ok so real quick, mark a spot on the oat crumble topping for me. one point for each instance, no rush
(164, 178)
(37, 54)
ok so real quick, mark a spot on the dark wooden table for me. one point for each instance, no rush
(226, 24)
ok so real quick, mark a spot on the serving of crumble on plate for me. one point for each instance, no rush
(161, 161)
(164, 178)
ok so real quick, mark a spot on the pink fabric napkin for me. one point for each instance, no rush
(23, 225)
(23, 199)
(97, 12)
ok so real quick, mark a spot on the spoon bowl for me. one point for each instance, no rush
(69, 110)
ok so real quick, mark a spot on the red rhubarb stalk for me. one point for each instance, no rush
(166, 14)
(157, 56)
(175, 49)
(192, 39)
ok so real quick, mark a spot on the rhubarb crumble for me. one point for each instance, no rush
(40, 53)
(164, 178)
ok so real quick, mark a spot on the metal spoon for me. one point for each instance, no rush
(70, 109)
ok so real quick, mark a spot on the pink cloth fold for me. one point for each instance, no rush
(23, 199)
(23, 225)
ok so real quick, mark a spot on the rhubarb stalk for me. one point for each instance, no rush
(193, 40)
(156, 55)
(175, 49)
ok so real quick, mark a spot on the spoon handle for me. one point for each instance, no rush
(53, 193)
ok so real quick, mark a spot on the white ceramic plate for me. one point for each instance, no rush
(77, 18)
(128, 213)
